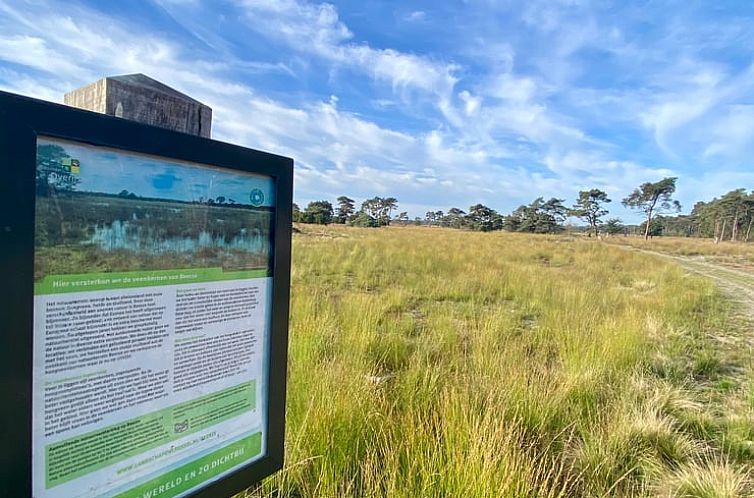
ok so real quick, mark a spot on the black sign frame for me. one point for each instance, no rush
(22, 120)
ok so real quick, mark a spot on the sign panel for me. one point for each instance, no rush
(156, 320)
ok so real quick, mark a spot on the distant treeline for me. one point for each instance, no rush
(540, 216)
(730, 217)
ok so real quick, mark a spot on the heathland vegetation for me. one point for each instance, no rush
(438, 363)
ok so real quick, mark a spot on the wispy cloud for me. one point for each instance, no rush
(316, 29)
(415, 16)
(704, 114)
(492, 102)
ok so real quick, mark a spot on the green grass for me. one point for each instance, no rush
(436, 363)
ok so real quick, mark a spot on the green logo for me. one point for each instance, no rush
(256, 197)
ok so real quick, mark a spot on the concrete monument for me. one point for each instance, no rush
(140, 98)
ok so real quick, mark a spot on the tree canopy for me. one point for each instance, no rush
(346, 209)
(653, 198)
(589, 207)
(318, 212)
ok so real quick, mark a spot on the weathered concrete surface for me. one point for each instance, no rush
(140, 98)
(90, 97)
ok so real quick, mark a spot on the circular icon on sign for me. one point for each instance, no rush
(256, 197)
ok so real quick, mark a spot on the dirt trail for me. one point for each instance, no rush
(738, 285)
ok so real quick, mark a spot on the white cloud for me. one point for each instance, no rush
(506, 86)
(701, 115)
(471, 102)
(732, 133)
(334, 149)
(34, 52)
(23, 84)
(317, 29)
(504, 113)
(511, 125)
(415, 16)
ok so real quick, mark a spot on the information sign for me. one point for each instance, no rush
(146, 296)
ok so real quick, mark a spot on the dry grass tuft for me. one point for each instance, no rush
(707, 480)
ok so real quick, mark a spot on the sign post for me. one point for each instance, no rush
(145, 308)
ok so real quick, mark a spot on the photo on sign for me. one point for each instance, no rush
(102, 211)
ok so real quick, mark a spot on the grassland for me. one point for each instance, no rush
(439, 363)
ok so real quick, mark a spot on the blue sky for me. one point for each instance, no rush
(108, 171)
(438, 104)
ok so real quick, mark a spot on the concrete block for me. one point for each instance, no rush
(143, 99)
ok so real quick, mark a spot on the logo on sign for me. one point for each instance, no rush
(256, 197)
(71, 165)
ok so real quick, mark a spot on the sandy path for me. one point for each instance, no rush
(737, 285)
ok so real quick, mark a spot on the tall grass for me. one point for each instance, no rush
(429, 363)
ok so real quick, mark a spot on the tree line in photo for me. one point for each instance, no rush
(730, 217)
